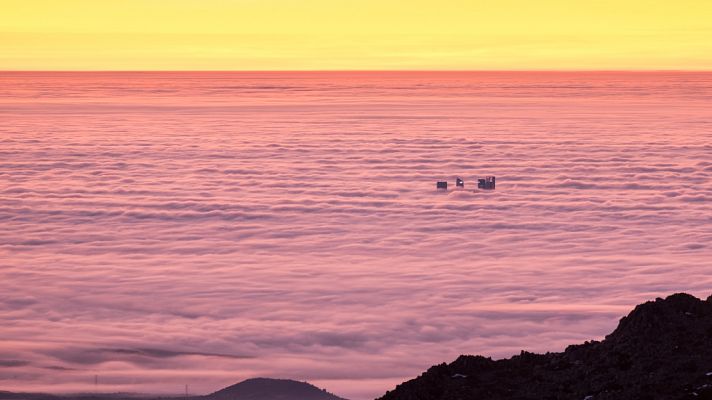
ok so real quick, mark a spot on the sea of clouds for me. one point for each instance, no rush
(165, 229)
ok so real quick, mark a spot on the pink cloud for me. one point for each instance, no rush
(224, 230)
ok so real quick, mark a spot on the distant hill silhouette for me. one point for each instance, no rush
(27, 396)
(272, 389)
(251, 389)
(661, 350)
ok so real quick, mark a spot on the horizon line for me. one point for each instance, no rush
(360, 70)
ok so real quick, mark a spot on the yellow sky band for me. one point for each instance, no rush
(350, 34)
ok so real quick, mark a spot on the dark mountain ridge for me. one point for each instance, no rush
(661, 350)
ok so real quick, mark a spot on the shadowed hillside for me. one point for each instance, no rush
(661, 350)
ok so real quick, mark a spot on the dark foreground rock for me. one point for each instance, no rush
(661, 350)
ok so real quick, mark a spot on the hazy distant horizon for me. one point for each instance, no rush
(297, 71)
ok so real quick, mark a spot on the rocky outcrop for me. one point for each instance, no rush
(661, 350)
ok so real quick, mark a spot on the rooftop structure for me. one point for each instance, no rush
(487, 183)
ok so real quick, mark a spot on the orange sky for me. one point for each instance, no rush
(354, 34)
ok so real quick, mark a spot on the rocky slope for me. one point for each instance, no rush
(661, 350)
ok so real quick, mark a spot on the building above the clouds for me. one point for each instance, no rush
(486, 183)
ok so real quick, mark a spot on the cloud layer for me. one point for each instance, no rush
(166, 229)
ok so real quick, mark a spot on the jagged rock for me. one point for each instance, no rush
(661, 350)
